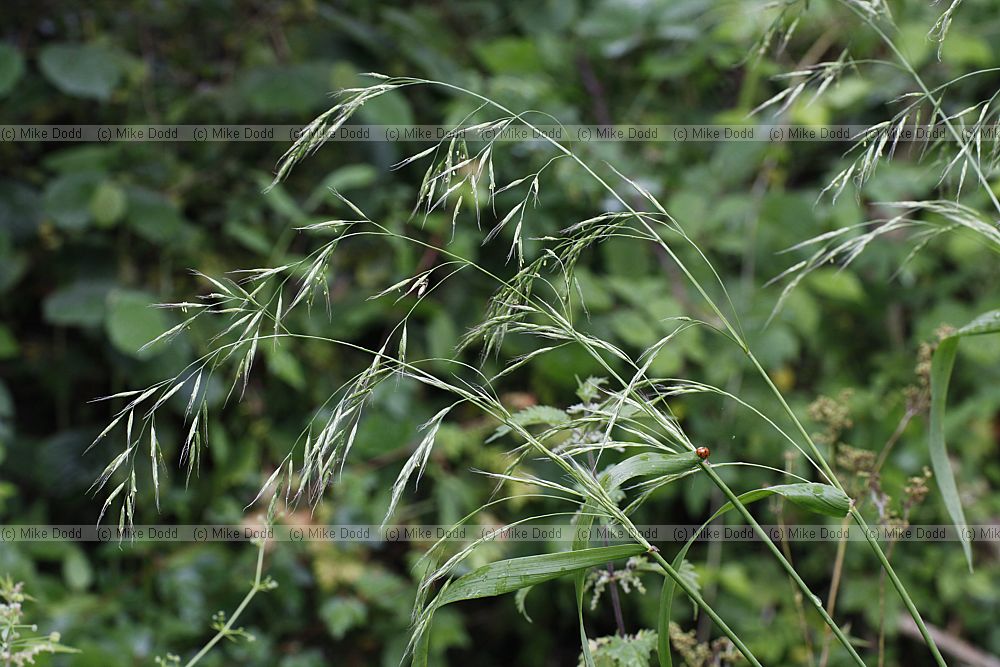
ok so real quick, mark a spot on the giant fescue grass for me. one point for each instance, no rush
(628, 410)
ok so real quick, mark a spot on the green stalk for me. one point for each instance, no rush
(816, 602)
(912, 608)
(254, 589)
(704, 606)
(858, 519)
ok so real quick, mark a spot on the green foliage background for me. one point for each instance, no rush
(91, 234)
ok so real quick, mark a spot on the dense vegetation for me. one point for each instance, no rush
(93, 234)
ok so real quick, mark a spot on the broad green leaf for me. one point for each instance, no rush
(286, 366)
(341, 614)
(510, 55)
(9, 347)
(67, 199)
(834, 284)
(132, 322)
(78, 304)
(76, 570)
(156, 218)
(634, 329)
(941, 365)
(11, 67)
(391, 108)
(82, 70)
(351, 177)
(815, 497)
(280, 201)
(108, 203)
(296, 90)
(86, 157)
(20, 214)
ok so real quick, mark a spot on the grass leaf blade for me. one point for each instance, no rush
(941, 367)
(507, 576)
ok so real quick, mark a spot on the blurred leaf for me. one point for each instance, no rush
(76, 570)
(81, 303)
(834, 284)
(347, 178)
(634, 329)
(108, 204)
(510, 55)
(8, 344)
(19, 210)
(392, 108)
(534, 415)
(79, 158)
(132, 322)
(280, 201)
(966, 50)
(67, 199)
(11, 67)
(156, 218)
(341, 614)
(82, 70)
(290, 90)
(286, 366)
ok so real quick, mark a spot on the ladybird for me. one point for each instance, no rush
(702, 452)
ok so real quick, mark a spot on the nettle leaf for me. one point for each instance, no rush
(536, 415)
(628, 651)
(689, 575)
(941, 366)
(590, 389)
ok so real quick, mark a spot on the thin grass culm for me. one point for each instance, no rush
(626, 412)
